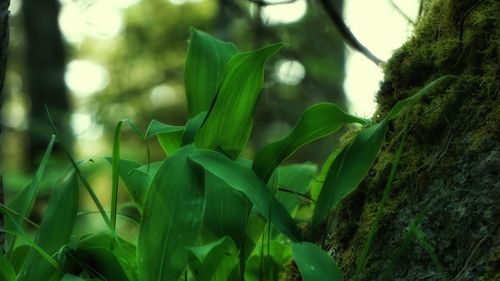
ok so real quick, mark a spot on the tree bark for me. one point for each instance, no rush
(4, 44)
(448, 171)
(45, 67)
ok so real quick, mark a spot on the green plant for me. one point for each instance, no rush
(206, 213)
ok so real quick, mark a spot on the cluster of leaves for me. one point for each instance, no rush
(206, 213)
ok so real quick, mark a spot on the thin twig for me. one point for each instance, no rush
(346, 33)
(421, 8)
(265, 3)
(470, 257)
(464, 17)
(401, 12)
(295, 193)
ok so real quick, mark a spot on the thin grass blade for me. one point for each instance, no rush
(7, 272)
(136, 181)
(23, 203)
(85, 183)
(363, 257)
(115, 166)
(55, 229)
(439, 83)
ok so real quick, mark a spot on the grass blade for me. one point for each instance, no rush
(172, 216)
(206, 61)
(115, 164)
(246, 181)
(230, 119)
(86, 184)
(23, 203)
(55, 230)
(348, 170)
(400, 106)
(314, 263)
(136, 180)
(363, 257)
(7, 272)
(318, 121)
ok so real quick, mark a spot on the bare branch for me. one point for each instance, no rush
(265, 3)
(346, 33)
(401, 12)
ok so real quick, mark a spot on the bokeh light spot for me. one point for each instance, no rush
(85, 78)
(290, 72)
(283, 13)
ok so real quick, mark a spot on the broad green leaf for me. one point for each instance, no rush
(23, 203)
(168, 136)
(55, 230)
(21, 252)
(172, 216)
(314, 263)
(214, 261)
(318, 121)
(19, 256)
(192, 127)
(256, 272)
(320, 179)
(150, 170)
(226, 211)
(124, 251)
(293, 181)
(348, 170)
(246, 181)
(7, 272)
(134, 179)
(439, 83)
(98, 262)
(206, 61)
(230, 119)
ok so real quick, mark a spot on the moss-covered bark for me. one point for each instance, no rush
(449, 169)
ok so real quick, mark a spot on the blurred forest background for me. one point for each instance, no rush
(95, 62)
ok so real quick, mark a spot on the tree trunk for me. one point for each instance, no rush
(4, 44)
(448, 171)
(45, 66)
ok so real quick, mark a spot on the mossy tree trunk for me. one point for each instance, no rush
(449, 169)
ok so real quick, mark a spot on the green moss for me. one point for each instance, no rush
(451, 152)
